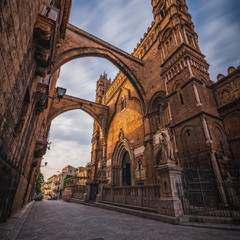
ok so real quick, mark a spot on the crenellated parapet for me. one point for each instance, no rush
(146, 42)
(227, 88)
(140, 51)
(115, 86)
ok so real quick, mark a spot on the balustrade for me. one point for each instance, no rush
(144, 196)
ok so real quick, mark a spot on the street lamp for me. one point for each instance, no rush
(61, 92)
(139, 167)
(41, 96)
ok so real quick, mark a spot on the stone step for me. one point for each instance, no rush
(76, 200)
(198, 219)
(225, 223)
(139, 213)
(229, 227)
(144, 209)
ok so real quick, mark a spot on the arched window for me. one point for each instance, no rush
(157, 111)
(126, 170)
(181, 98)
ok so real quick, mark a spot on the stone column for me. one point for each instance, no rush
(102, 180)
(170, 204)
(196, 95)
(86, 195)
(215, 166)
(206, 130)
(148, 151)
(218, 177)
(190, 68)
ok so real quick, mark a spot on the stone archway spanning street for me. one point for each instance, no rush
(78, 43)
(96, 110)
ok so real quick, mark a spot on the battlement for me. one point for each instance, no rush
(140, 51)
(146, 42)
(117, 82)
(227, 88)
(230, 71)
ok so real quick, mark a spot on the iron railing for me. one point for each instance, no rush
(201, 194)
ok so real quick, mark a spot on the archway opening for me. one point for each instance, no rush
(80, 76)
(126, 170)
(70, 142)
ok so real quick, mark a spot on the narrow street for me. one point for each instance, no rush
(62, 220)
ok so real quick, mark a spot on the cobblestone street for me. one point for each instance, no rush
(62, 220)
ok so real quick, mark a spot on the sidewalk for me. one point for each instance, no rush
(63, 220)
(10, 229)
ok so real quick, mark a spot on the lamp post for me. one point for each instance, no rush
(139, 167)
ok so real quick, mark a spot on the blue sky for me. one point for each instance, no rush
(122, 23)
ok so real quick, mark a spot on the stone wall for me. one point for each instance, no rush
(227, 94)
(17, 119)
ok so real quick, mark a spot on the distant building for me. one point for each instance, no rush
(55, 184)
(76, 185)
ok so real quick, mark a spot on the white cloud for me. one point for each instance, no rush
(65, 153)
(218, 32)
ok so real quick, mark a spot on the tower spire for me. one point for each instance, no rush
(102, 86)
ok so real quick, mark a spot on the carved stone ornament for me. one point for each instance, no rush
(40, 149)
(44, 33)
(121, 134)
(44, 28)
(165, 143)
(41, 104)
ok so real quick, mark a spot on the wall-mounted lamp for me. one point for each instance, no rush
(41, 96)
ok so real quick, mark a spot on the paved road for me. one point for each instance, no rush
(62, 220)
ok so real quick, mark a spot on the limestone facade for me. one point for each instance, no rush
(161, 113)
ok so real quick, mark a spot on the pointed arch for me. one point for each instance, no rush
(156, 110)
(79, 43)
(122, 149)
(95, 110)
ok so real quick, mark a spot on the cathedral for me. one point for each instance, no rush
(165, 137)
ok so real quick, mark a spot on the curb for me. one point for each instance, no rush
(213, 226)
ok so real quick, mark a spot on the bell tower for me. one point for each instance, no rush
(102, 85)
(184, 71)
